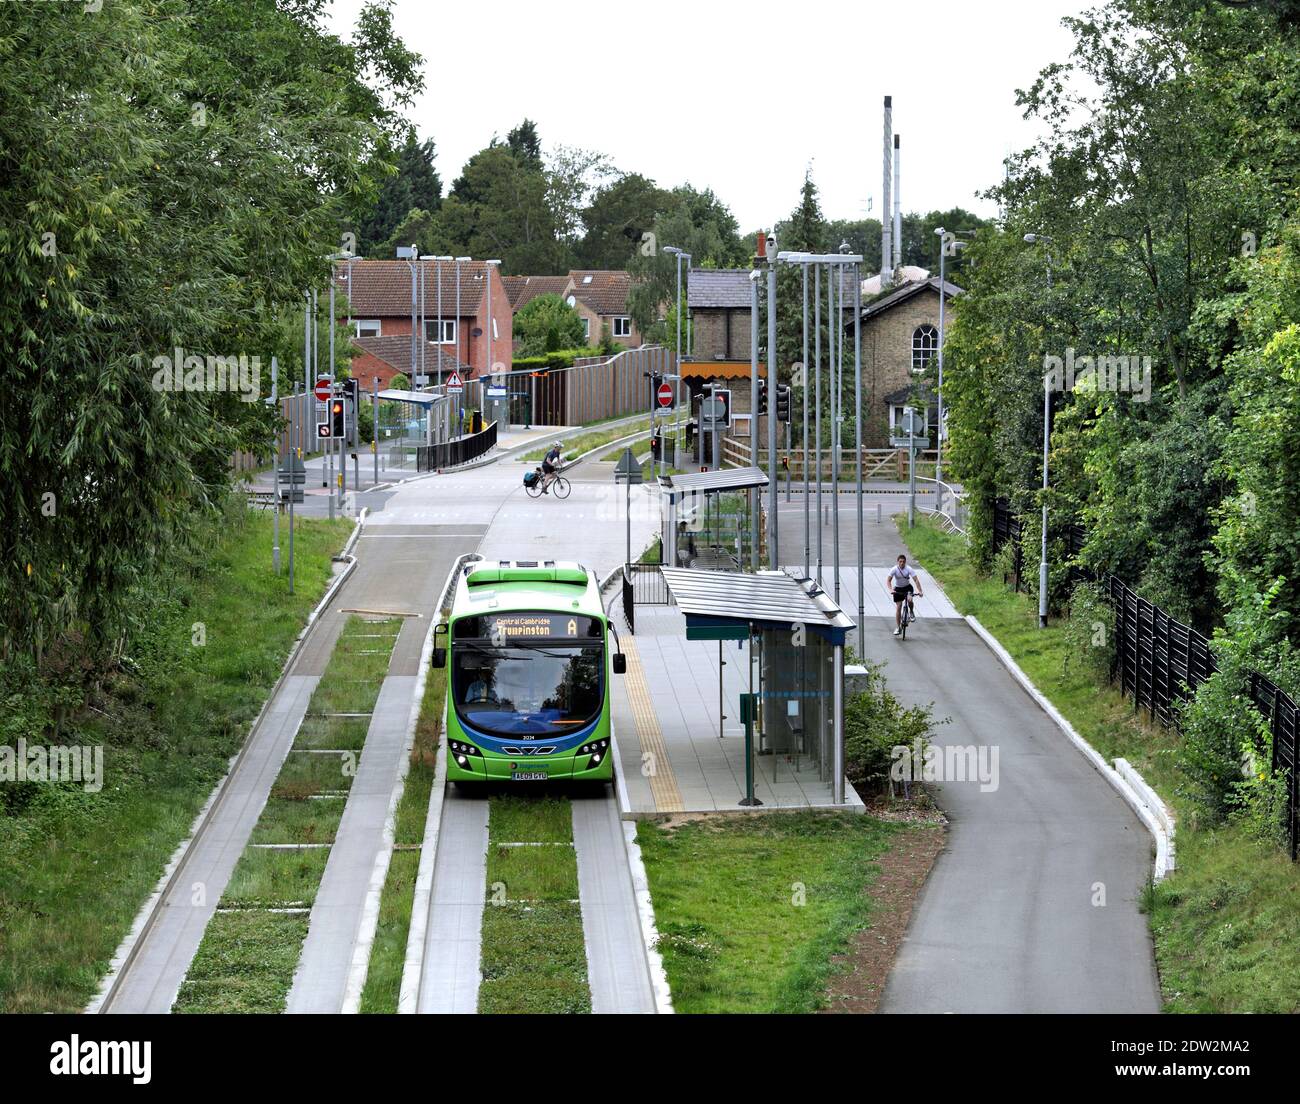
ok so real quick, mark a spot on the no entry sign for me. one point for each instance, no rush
(323, 388)
(665, 394)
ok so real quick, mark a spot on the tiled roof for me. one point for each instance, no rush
(524, 289)
(396, 351)
(382, 289)
(718, 287)
(906, 292)
(604, 291)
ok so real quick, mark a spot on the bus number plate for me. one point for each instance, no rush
(529, 776)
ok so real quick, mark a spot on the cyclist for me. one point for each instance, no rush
(550, 465)
(899, 582)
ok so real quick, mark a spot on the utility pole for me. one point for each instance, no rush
(756, 496)
(773, 493)
(806, 501)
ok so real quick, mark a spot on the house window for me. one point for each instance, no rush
(586, 329)
(925, 343)
(368, 327)
(448, 331)
(622, 327)
(495, 336)
(896, 427)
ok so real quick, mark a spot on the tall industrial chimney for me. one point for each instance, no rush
(886, 249)
(898, 202)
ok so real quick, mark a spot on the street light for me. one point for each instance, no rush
(487, 275)
(1047, 431)
(947, 240)
(677, 391)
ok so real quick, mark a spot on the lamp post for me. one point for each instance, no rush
(1047, 436)
(491, 322)
(458, 264)
(677, 391)
(948, 243)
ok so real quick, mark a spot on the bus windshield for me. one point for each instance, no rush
(537, 690)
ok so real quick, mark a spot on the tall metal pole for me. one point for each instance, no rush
(1047, 430)
(293, 487)
(279, 463)
(836, 368)
(306, 341)
(755, 496)
(458, 260)
(374, 410)
(817, 375)
(807, 550)
(773, 495)
(857, 464)
(938, 442)
(677, 391)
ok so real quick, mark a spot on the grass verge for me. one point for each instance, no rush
(75, 867)
(1226, 923)
(751, 910)
(585, 442)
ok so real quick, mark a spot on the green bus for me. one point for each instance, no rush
(528, 691)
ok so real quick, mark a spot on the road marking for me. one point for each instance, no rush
(663, 782)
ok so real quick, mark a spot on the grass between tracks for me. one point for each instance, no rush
(75, 867)
(388, 954)
(534, 956)
(1226, 923)
(751, 910)
(250, 950)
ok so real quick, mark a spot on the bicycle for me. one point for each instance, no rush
(908, 616)
(559, 486)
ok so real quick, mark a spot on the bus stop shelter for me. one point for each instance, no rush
(796, 635)
(692, 533)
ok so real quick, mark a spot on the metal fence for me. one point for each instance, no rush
(1160, 662)
(643, 585)
(460, 450)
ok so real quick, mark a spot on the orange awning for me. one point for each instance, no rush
(719, 369)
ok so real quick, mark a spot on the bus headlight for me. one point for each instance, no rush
(458, 749)
(596, 749)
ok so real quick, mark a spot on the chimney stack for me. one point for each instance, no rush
(886, 248)
(898, 202)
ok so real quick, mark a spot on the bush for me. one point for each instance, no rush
(545, 325)
(875, 723)
(1090, 633)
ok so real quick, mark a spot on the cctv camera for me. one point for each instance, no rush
(771, 246)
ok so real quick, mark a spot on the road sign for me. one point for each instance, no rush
(454, 383)
(496, 393)
(665, 394)
(715, 412)
(323, 388)
(628, 470)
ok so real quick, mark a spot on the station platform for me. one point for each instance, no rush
(671, 756)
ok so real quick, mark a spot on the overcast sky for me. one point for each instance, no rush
(670, 89)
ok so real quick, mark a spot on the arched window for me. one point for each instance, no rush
(925, 343)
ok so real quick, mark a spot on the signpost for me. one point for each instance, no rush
(628, 471)
(911, 440)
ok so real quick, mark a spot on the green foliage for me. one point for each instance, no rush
(415, 186)
(1089, 633)
(207, 189)
(1226, 751)
(546, 324)
(875, 723)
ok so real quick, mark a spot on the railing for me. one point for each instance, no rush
(461, 450)
(949, 505)
(643, 585)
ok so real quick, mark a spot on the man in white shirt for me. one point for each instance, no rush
(900, 582)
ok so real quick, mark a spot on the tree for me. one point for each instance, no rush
(571, 176)
(620, 221)
(208, 187)
(546, 324)
(414, 187)
(525, 144)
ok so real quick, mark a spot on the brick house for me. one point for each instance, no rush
(381, 306)
(900, 337)
(598, 295)
(382, 358)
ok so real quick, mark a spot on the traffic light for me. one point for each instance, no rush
(782, 402)
(762, 396)
(338, 427)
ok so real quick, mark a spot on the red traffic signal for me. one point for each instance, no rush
(337, 428)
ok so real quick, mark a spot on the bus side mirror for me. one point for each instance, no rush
(620, 663)
(439, 658)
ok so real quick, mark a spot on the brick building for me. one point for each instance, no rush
(381, 307)
(382, 358)
(900, 337)
(598, 295)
